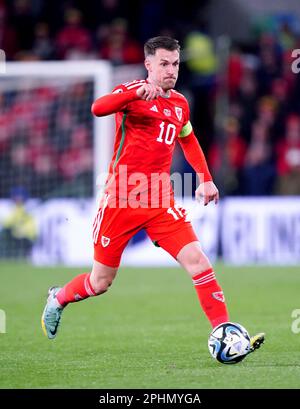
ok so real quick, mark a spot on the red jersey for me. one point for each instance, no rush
(146, 133)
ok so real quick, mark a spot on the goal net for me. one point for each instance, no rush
(47, 139)
(51, 146)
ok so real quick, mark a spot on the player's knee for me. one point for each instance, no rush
(101, 285)
(102, 277)
(196, 262)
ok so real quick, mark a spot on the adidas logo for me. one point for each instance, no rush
(154, 108)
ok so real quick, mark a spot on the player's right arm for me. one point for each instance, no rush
(121, 97)
(115, 102)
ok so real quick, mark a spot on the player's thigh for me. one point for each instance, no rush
(171, 230)
(112, 229)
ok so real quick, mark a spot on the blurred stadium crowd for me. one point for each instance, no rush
(46, 141)
(255, 150)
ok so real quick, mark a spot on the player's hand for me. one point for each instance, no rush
(148, 92)
(207, 191)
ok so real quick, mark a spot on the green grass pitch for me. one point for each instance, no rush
(148, 331)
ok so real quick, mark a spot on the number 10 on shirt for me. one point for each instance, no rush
(167, 133)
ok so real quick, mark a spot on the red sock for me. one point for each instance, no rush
(76, 290)
(211, 297)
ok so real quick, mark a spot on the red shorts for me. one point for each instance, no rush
(114, 227)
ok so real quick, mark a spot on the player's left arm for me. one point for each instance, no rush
(195, 157)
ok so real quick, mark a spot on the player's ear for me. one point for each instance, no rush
(147, 63)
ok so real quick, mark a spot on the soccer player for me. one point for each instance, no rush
(151, 117)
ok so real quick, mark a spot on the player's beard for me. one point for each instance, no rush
(169, 83)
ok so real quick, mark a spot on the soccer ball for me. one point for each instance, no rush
(229, 343)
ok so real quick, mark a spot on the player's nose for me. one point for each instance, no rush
(171, 72)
